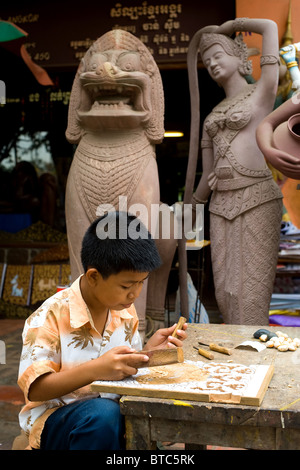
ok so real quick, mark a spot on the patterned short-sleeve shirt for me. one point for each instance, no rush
(60, 335)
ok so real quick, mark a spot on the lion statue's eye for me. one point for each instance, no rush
(97, 60)
(129, 61)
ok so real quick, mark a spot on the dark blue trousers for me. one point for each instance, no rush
(94, 424)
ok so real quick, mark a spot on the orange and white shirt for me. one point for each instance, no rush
(60, 335)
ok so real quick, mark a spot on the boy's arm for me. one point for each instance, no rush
(116, 364)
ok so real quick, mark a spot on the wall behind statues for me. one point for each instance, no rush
(276, 10)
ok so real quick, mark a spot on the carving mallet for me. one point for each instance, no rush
(161, 357)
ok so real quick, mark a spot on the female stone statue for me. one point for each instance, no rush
(246, 206)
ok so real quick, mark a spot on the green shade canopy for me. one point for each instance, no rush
(9, 32)
(12, 38)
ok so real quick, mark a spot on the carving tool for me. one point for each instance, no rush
(161, 357)
(204, 353)
(179, 326)
(180, 323)
(217, 348)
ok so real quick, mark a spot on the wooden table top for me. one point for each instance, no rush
(280, 406)
(284, 389)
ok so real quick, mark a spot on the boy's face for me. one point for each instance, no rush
(118, 291)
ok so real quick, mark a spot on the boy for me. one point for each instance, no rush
(89, 332)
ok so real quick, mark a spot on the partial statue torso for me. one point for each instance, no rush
(239, 186)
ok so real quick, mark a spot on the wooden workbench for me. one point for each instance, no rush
(273, 425)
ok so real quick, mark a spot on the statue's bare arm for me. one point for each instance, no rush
(268, 82)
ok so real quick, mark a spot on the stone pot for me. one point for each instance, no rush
(287, 136)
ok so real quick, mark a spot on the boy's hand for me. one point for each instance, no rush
(118, 363)
(163, 338)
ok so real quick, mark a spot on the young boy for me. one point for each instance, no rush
(89, 332)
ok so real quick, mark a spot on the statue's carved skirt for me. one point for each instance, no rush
(244, 258)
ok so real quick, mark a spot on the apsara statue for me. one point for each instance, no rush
(246, 203)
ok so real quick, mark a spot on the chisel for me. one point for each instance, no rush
(217, 348)
(204, 353)
(180, 323)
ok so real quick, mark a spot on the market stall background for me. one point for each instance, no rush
(34, 117)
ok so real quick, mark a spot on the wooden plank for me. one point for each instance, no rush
(262, 377)
(287, 439)
(246, 437)
(262, 389)
(226, 414)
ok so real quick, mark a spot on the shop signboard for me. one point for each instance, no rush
(59, 33)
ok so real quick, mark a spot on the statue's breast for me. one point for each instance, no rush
(238, 117)
(231, 115)
(233, 118)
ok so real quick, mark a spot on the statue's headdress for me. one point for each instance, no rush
(235, 47)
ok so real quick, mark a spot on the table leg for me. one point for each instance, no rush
(195, 447)
(138, 433)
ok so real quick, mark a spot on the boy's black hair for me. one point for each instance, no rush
(118, 242)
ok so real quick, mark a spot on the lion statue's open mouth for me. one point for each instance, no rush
(118, 96)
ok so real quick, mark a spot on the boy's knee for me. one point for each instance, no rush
(103, 424)
(110, 415)
(104, 408)
(95, 424)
